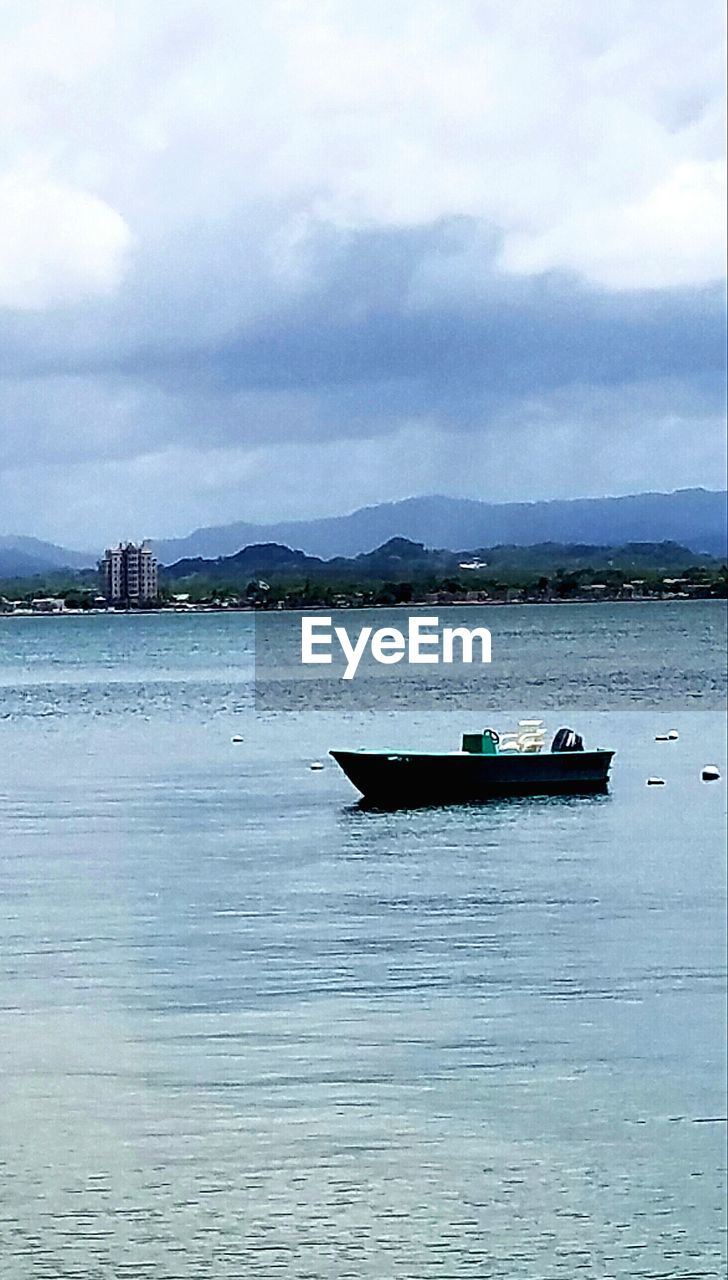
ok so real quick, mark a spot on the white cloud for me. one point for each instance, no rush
(671, 236)
(58, 246)
(588, 135)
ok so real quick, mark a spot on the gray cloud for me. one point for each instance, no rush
(299, 256)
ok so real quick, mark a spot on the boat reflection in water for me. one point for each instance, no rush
(486, 767)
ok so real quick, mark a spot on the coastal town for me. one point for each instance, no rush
(129, 578)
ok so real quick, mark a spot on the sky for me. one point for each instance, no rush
(273, 259)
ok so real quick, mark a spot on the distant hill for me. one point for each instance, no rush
(262, 558)
(399, 559)
(696, 518)
(22, 557)
(396, 558)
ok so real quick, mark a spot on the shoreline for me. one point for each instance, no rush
(411, 605)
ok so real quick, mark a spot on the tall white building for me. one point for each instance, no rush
(129, 574)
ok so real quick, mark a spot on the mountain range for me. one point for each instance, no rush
(22, 557)
(400, 559)
(696, 518)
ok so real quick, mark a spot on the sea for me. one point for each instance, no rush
(250, 1029)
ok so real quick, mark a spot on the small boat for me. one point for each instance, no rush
(486, 767)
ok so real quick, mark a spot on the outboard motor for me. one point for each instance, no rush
(567, 740)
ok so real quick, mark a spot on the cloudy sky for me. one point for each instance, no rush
(263, 259)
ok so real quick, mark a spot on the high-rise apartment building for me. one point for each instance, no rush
(129, 574)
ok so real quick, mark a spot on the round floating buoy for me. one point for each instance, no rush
(710, 773)
(673, 735)
(236, 738)
(316, 764)
(655, 782)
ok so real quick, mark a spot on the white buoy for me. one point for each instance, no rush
(711, 773)
(315, 764)
(673, 735)
(655, 782)
(236, 738)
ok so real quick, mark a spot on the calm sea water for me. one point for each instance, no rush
(250, 1030)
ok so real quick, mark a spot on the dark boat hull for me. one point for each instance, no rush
(391, 779)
